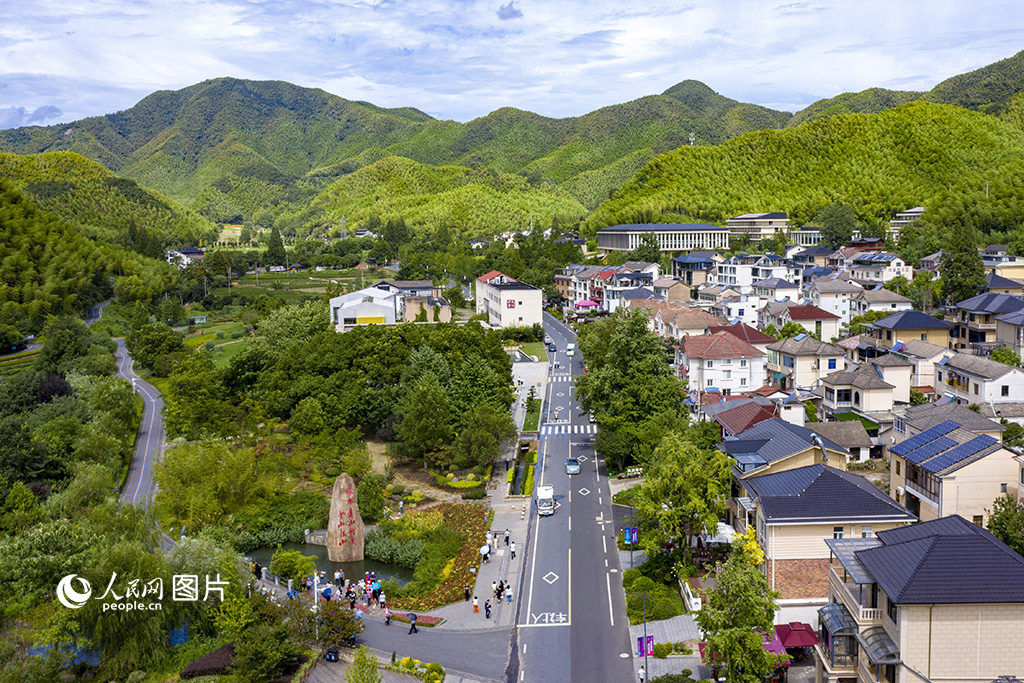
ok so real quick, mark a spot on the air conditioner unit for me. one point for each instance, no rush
(899, 490)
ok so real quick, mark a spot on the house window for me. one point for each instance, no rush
(843, 396)
(975, 388)
(940, 375)
(831, 363)
(711, 382)
(900, 425)
(897, 468)
(924, 335)
(856, 398)
(787, 361)
(1002, 488)
(837, 532)
(726, 374)
(1004, 390)
(892, 611)
(830, 394)
(865, 531)
(743, 363)
(978, 520)
(888, 335)
(710, 364)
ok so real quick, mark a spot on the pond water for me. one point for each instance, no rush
(385, 572)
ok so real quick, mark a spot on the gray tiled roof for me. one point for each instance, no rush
(780, 440)
(881, 296)
(846, 433)
(992, 303)
(808, 346)
(976, 365)
(922, 349)
(820, 493)
(911, 320)
(827, 285)
(928, 415)
(945, 561)
(863, 376)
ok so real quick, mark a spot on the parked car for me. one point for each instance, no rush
(552, 347)
(572, 466)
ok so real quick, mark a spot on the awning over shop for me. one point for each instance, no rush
(778, 375)
(773, 645)
(586, 304)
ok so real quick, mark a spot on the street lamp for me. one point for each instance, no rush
(645, 596)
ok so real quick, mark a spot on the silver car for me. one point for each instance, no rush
(572, 466)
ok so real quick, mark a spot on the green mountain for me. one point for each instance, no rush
(101, 205)
(230, 148)
(480, 202)
(878, 163)
(989, 89)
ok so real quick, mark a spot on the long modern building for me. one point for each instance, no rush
(671, 237)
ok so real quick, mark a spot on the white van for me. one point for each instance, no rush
(570, 350)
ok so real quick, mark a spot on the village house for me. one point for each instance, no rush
(720, 362)
(508, 302)
(940, 601)
(970, 379)
(878, 299)
(907, 325)
(835, 295)
(974, 320)
(949, 470)
(801, 361)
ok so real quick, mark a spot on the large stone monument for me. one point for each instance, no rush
(345, 534)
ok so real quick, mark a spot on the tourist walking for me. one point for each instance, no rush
(465, 592)
(641, 674)
(512, 549)
(412, 623)
(494, 588)
(487, 609)
(476, 605)
(387, 616)
(506, 537)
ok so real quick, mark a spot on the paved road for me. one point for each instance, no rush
(138, 486)
(572, 624)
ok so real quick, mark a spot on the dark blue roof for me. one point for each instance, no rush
(912, 320)
(821, 492)
(816, 251)
(690, 258)
(992, 303)
(925, 437)
(660, 227)
(945, 561)
(817, 271)
(995, 280)
(777, 438)
(639, 294)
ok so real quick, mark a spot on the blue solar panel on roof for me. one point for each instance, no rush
(930, 450)
(961, 452)
(927, 436)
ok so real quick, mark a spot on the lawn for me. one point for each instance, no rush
(532, 420)
(536, 349)
(251, 293)
(223, 353)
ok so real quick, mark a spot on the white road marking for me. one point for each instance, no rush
(611, 612)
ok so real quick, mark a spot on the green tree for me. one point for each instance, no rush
(292, 564)
(479, 439)
(739, 610)
(790, 329)
(151, 343)
(683, 493)
(194, 405)
(1006, 521)
(370, 497)
(1014, 434)
(426, 420)
(365, 668)
(647, 251)
(917, 397)
(274, 254)
(263, 652)
(1005, 354)
(837, 222)
(963, 272)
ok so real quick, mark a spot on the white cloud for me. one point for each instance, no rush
(463, 58)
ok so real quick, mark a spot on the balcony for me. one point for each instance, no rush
(849, 593)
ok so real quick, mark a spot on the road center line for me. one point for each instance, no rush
(604, 543)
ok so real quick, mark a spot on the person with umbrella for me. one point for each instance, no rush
(412, 622)
(485, 550)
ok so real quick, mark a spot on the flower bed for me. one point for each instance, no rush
(421, 619)
(471, 522)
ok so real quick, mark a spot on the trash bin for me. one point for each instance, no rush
(331, 655)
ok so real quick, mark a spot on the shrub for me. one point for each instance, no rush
(474, 494)
(662, 650)
(629, 576)
(291, 564)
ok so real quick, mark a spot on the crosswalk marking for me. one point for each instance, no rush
(568, 429)
(560, 378)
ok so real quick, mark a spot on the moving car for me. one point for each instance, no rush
(546, 500)
(552, 347)
(570, 350)
(572, 466)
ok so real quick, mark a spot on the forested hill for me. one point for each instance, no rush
(232, 146)
(989, 89)
(102, 205)
(48, 268)
(877, 163)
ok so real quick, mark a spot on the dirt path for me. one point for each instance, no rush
(379, 461)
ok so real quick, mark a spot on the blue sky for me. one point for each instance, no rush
(62, 60)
